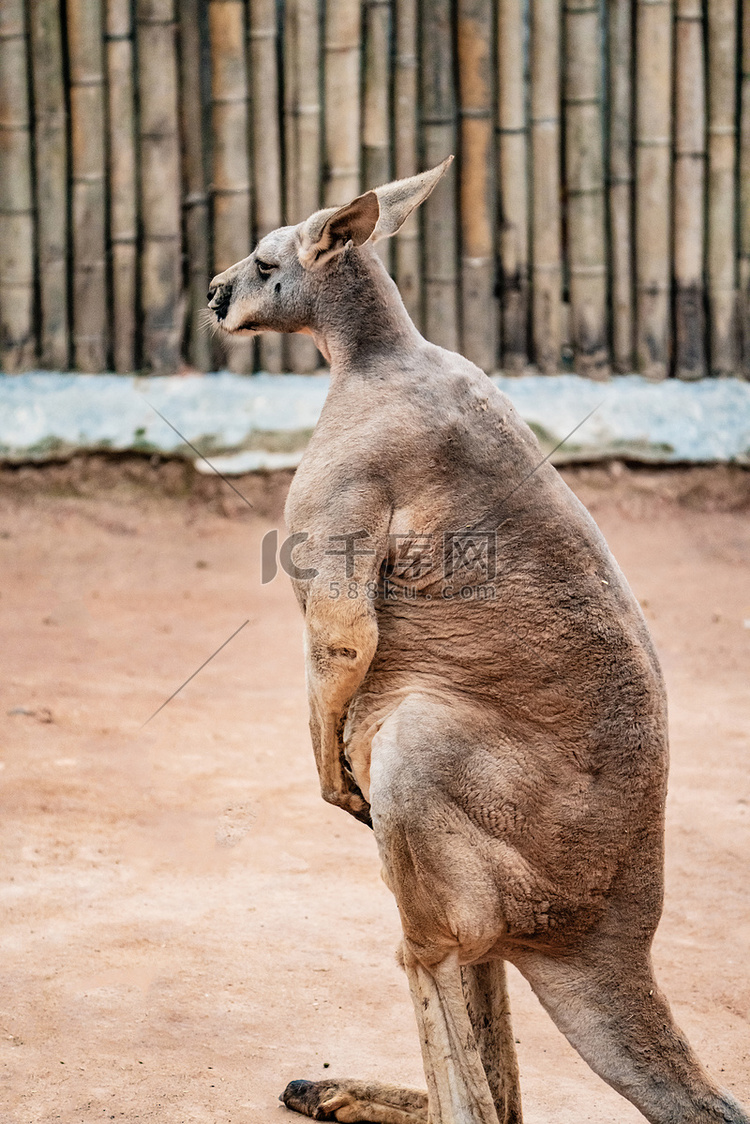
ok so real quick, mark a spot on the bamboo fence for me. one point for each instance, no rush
(689, 190)
(722, 140)
(477, 181)
(342, 60)
(546, 237)
(512, 185)
(407, 250)
(161, 283)
(596, 218)
(744, 192)
(231, 170)
(653, 171)
(123, 182)
(195, 72)
(266, 152)
(50, 143)
(303, 119)
(85, 28)
(438, 127)
(620, 173)
(376, 110)
(584, 176)
(16, 193)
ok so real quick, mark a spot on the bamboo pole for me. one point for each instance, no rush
(123, 182)
(309, 188)
(303, 113)
(689, 188)
(160, 185)
(744, 186)
(303, 120)
(513, 184)
(620, 44)
(722, 137)
(376, 157)
(476, 183)
(584, 150)
(376, 115)
(17, 343)
(51, 148)
(653, 184)
(291, 75)
(407, 247)
(231, 157)
(545, 155)
(194, 131)
(88, 148)
(439, 134)
(343, 43)
(266, 160)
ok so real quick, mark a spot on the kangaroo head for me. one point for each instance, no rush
(280, 286)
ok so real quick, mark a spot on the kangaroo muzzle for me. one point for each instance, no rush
(219, 299)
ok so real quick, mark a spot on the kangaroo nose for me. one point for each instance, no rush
(219, 297)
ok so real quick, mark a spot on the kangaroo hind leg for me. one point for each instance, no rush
(458, 1090)
(620, 1023)
(486, 995)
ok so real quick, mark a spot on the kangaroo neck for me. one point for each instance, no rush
(361, 318)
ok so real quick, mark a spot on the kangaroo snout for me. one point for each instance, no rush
(219, 295)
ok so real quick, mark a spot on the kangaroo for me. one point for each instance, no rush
(483, 692)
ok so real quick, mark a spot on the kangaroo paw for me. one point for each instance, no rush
(356, 1102)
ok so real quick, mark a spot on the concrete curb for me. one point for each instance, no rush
(263, 422)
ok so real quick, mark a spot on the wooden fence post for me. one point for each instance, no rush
(302, 139)
(123, 182)
(513, 185)
(230, 150)
(376, 104)
(439, 226)
(689, 191)
(266, 150)
(407, 249)
(51, 144)
(162, 301)
(477, 182)
(17, 342)
(194, 136)
(722, 136)
(620, 58)
(584, 144)
(653, 185)
(545, 152)
(744, 199)
(343, 45)
(87, 121)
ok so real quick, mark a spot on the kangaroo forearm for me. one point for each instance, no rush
(338, 654)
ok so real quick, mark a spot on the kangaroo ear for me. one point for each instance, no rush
(326, 233)
(398, 199)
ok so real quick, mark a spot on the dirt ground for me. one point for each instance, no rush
(185, 925)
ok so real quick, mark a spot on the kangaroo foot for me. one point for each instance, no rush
(351, 1101)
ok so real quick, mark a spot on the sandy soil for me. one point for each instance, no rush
(185, 925)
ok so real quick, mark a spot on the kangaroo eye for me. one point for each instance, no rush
(264, 269)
